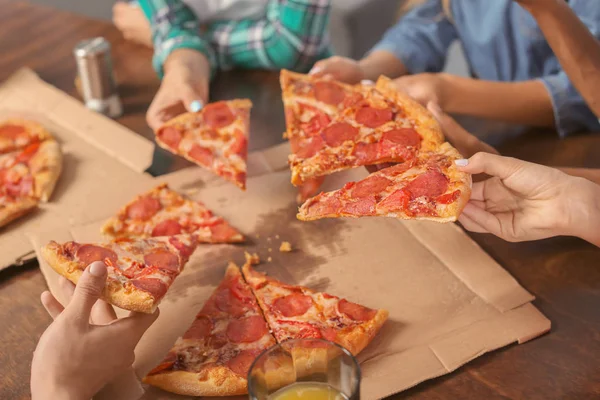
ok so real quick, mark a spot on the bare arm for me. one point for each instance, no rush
(526, 103)
(576, 48)
(382, 63)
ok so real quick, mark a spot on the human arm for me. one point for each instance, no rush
(576, 48)
(86, 347)
(524, 201)
(418, 43)
(293, 34)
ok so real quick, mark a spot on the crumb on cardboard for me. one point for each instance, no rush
(285, 247)
(252, 258)
(270, 249)
(269, 259)
(276, 236)
(191, 192)
(269, 239)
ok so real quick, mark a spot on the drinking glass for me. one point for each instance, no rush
(304, 369)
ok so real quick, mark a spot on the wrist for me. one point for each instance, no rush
(58, 392)
(540, 8)
(583, 210)
(187, 61)
(447, 86)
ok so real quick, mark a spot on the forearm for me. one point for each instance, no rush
(525, 103)
(576, 48)
(591, 174)
(381, 62)
(179, 31)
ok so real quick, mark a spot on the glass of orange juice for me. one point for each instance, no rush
(302, 369)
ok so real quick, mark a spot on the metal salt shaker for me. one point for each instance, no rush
(94, 67)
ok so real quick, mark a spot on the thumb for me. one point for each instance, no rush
(490, 164)
(88, 290)
(192, 99)
(135, 325)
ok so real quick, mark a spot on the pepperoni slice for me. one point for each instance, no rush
(363, 206)
(448, 198)
(246, 330)
(228, 303)
(28, 153)
(155, 287)
(22, 187)
(223, 232)
(11, 131)
(372, 185)
(316, 124)
(328, 206)
(201, 328)
(144, 208)
(366, 153)
(240, 364)
(329, 92)
(329, 334)
(170, 136)
(240, 146)
(162, 259)
(355, 311)
(430, 184)
(338, 133)
(309, 147)
(292, 305)
(168, 227)
(406, 137)
(373, 117)
(201, 154)
(397, 169)
(88, 253)
(184, 250)
(353, 100)
(167, 364)
(397, 201)
(218, 115)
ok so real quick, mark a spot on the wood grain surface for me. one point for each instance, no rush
(563, 273)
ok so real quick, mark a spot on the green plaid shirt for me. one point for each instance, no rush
(293, 35)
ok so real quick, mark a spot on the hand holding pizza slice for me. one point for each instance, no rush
(215, 138)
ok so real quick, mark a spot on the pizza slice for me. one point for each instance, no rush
(215, 138)
(295, 312)
(164, 212)
(430, 188)
(139, 271)
(332, 126)
(18, 133)
(28, 176)
(213, 356)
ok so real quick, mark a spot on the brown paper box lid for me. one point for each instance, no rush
(100, 155)
(449, 302)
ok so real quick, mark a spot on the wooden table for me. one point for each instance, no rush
(563, 273)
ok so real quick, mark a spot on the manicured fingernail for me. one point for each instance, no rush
(315, 70)
(463, 162)
(366, 82)
(97, 269)
(196, 105)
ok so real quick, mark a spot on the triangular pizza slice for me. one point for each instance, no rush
(164, 212)
(333, 126)
(215, 137)
(295, 312)
(430, 187)
(139, 271)
(213, 356)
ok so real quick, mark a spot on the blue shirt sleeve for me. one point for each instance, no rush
(421, 38)
(571, 113)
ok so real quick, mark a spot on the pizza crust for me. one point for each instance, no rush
(115, 293)
(17, 209)
(361, 335)
(46, 167)
(219, 381)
